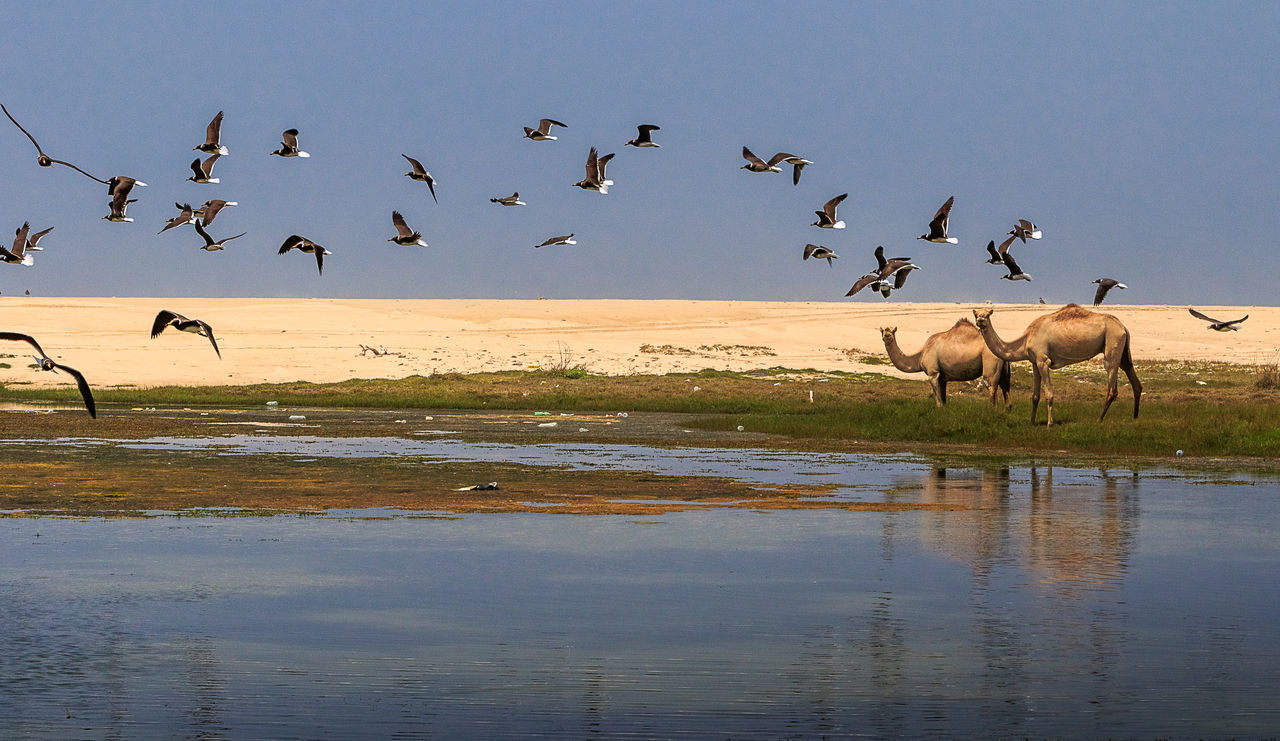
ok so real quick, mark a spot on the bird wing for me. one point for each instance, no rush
(20, 238)
(1027, 226)
(431, 186)
(863, 282)
(209, 333)
(880, 262)
(1236, 321)
(1198, 315)
(77, 169)
(746, 153)
(120, 185)
(290, 138)
(84, 388)
(208, 240)
(830, 207)
(195, 167)
(23, 337)
(228, 239)
(779, 157)
(207, 166)
(34, 239)
(545, 124)
(1013, 266)
(900, 276)
(991, 248)
(211, 209)
(1004, 246)
(644, 129)
(809, 249)
(601, 163)
(1101, 293)
(946, 208)
(213, 131)
(795, 173)
(418, 169)
(290, 242)
(319, 260)
(163, 319)
(593, 167)
(401, 226)
(28, 133)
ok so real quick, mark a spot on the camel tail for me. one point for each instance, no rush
(1006, 377)
(1126, 362)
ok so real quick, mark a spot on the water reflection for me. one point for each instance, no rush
(1054, 601)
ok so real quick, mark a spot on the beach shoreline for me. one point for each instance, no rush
(273, 340)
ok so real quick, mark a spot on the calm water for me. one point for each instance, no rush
(1071, 602)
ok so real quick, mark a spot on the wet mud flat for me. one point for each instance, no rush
(260, 461)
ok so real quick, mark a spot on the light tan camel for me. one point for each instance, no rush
(958, 354)
(1067, 336)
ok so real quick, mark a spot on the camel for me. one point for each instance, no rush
(958, 354)
(1067, 336)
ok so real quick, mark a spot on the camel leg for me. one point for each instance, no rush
(942, 388)
(1113, 370)
(1035, 390)
(939, 388)
(992, 377)
(1048, 390)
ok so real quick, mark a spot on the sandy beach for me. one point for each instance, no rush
(319, 340)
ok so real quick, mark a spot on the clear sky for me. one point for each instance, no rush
(1143, 138)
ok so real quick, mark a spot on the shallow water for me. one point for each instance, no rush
(1064, 602)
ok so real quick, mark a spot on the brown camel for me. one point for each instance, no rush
(1067, 336)
(958, 354)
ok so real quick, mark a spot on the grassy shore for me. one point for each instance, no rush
(1207, 410)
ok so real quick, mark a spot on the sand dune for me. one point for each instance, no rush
(277, 340)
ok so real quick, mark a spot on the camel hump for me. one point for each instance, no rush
(962, 321)
(1072, 311)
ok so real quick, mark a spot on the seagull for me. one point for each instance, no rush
(543, 132)
(185, 216)
(404, 235)
(567, 239)
(118, 206)
(1104, 285)
(878, 279)
(938, 227)
(827, 216)
(210, 209)
(119, 188)
(818, 252)
(1015, 272)
(43, 159)
(1025, 230)
(755, 164)
(203, 170)
(33, 239)
(899, 279)
(1218, 326)
(420, 173)
(595, 179)
(511, 200)
(289, 147)
(645, 137)
(209, 244)
(47, 364)
(997, 253)
(179, 322)
(211, 136)
(882, 263)
(303, 244)
(18, 255)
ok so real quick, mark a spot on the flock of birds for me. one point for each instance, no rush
(890, 274)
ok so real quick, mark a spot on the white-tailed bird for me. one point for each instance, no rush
(212, 138)
(818, 252)
(119, 188)
(18, 255)
(595, 179)
(289, 145)
(1025, 230)
(420, 174)
(211, 245)
(1104, 285)
(47, 364)
(543, 132)
(511, 200)
(204, 170)
(186, 215)
(1219, 326)
(209, 210)
(166, 319)
(404, 235)
(302, 244)
(43, 159)
(645, 136)
(827, 216)
(938, 227)
(755, 164)
(1015, 272)
(567, 239)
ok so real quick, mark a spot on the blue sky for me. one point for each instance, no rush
(1144, 139)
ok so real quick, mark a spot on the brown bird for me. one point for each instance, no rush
(543, 132)
(47, 364)
(818, 252)
(18, 255)
(938, 227)
(119, 188)
(511, 200)
(210, 245)
(1219, 326)
(644, 137)
(204, 170)
(827, 216)
(1104, 285)
(43, 159)
(186, 215)
(420, 173)
(179, 322)
(212, 137)
(289, 147)
(595, 179)
(302, 244)
(404, 235)
(567, 239)
(209, 210)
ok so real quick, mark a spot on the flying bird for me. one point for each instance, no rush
(1015, 272)
(1025, 230)
(289, 145)
(186, 215)
(818, 252)
(18, 255)
(212, 136)
(302, 244)
(938, 227)
(209, 210)
(899, 279)
(166, 319)
(878, 279)
(997, 253)
(797, 164)
(1219, 326)
(567, 239)
(118, 206)
(404, 235)
(543, 132)
(511, 200)
(34, 239)
(827, 216)
(1104, 285)
(645, 137)
(595, 179)
(47, 364)
(43, 159)
(210, 245)
(755, 164)
(204, 170)
(420, 173)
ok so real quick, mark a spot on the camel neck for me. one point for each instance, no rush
(1007, 351)
(902, 361)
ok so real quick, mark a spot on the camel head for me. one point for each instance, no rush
(888, 333)
(982, 316)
